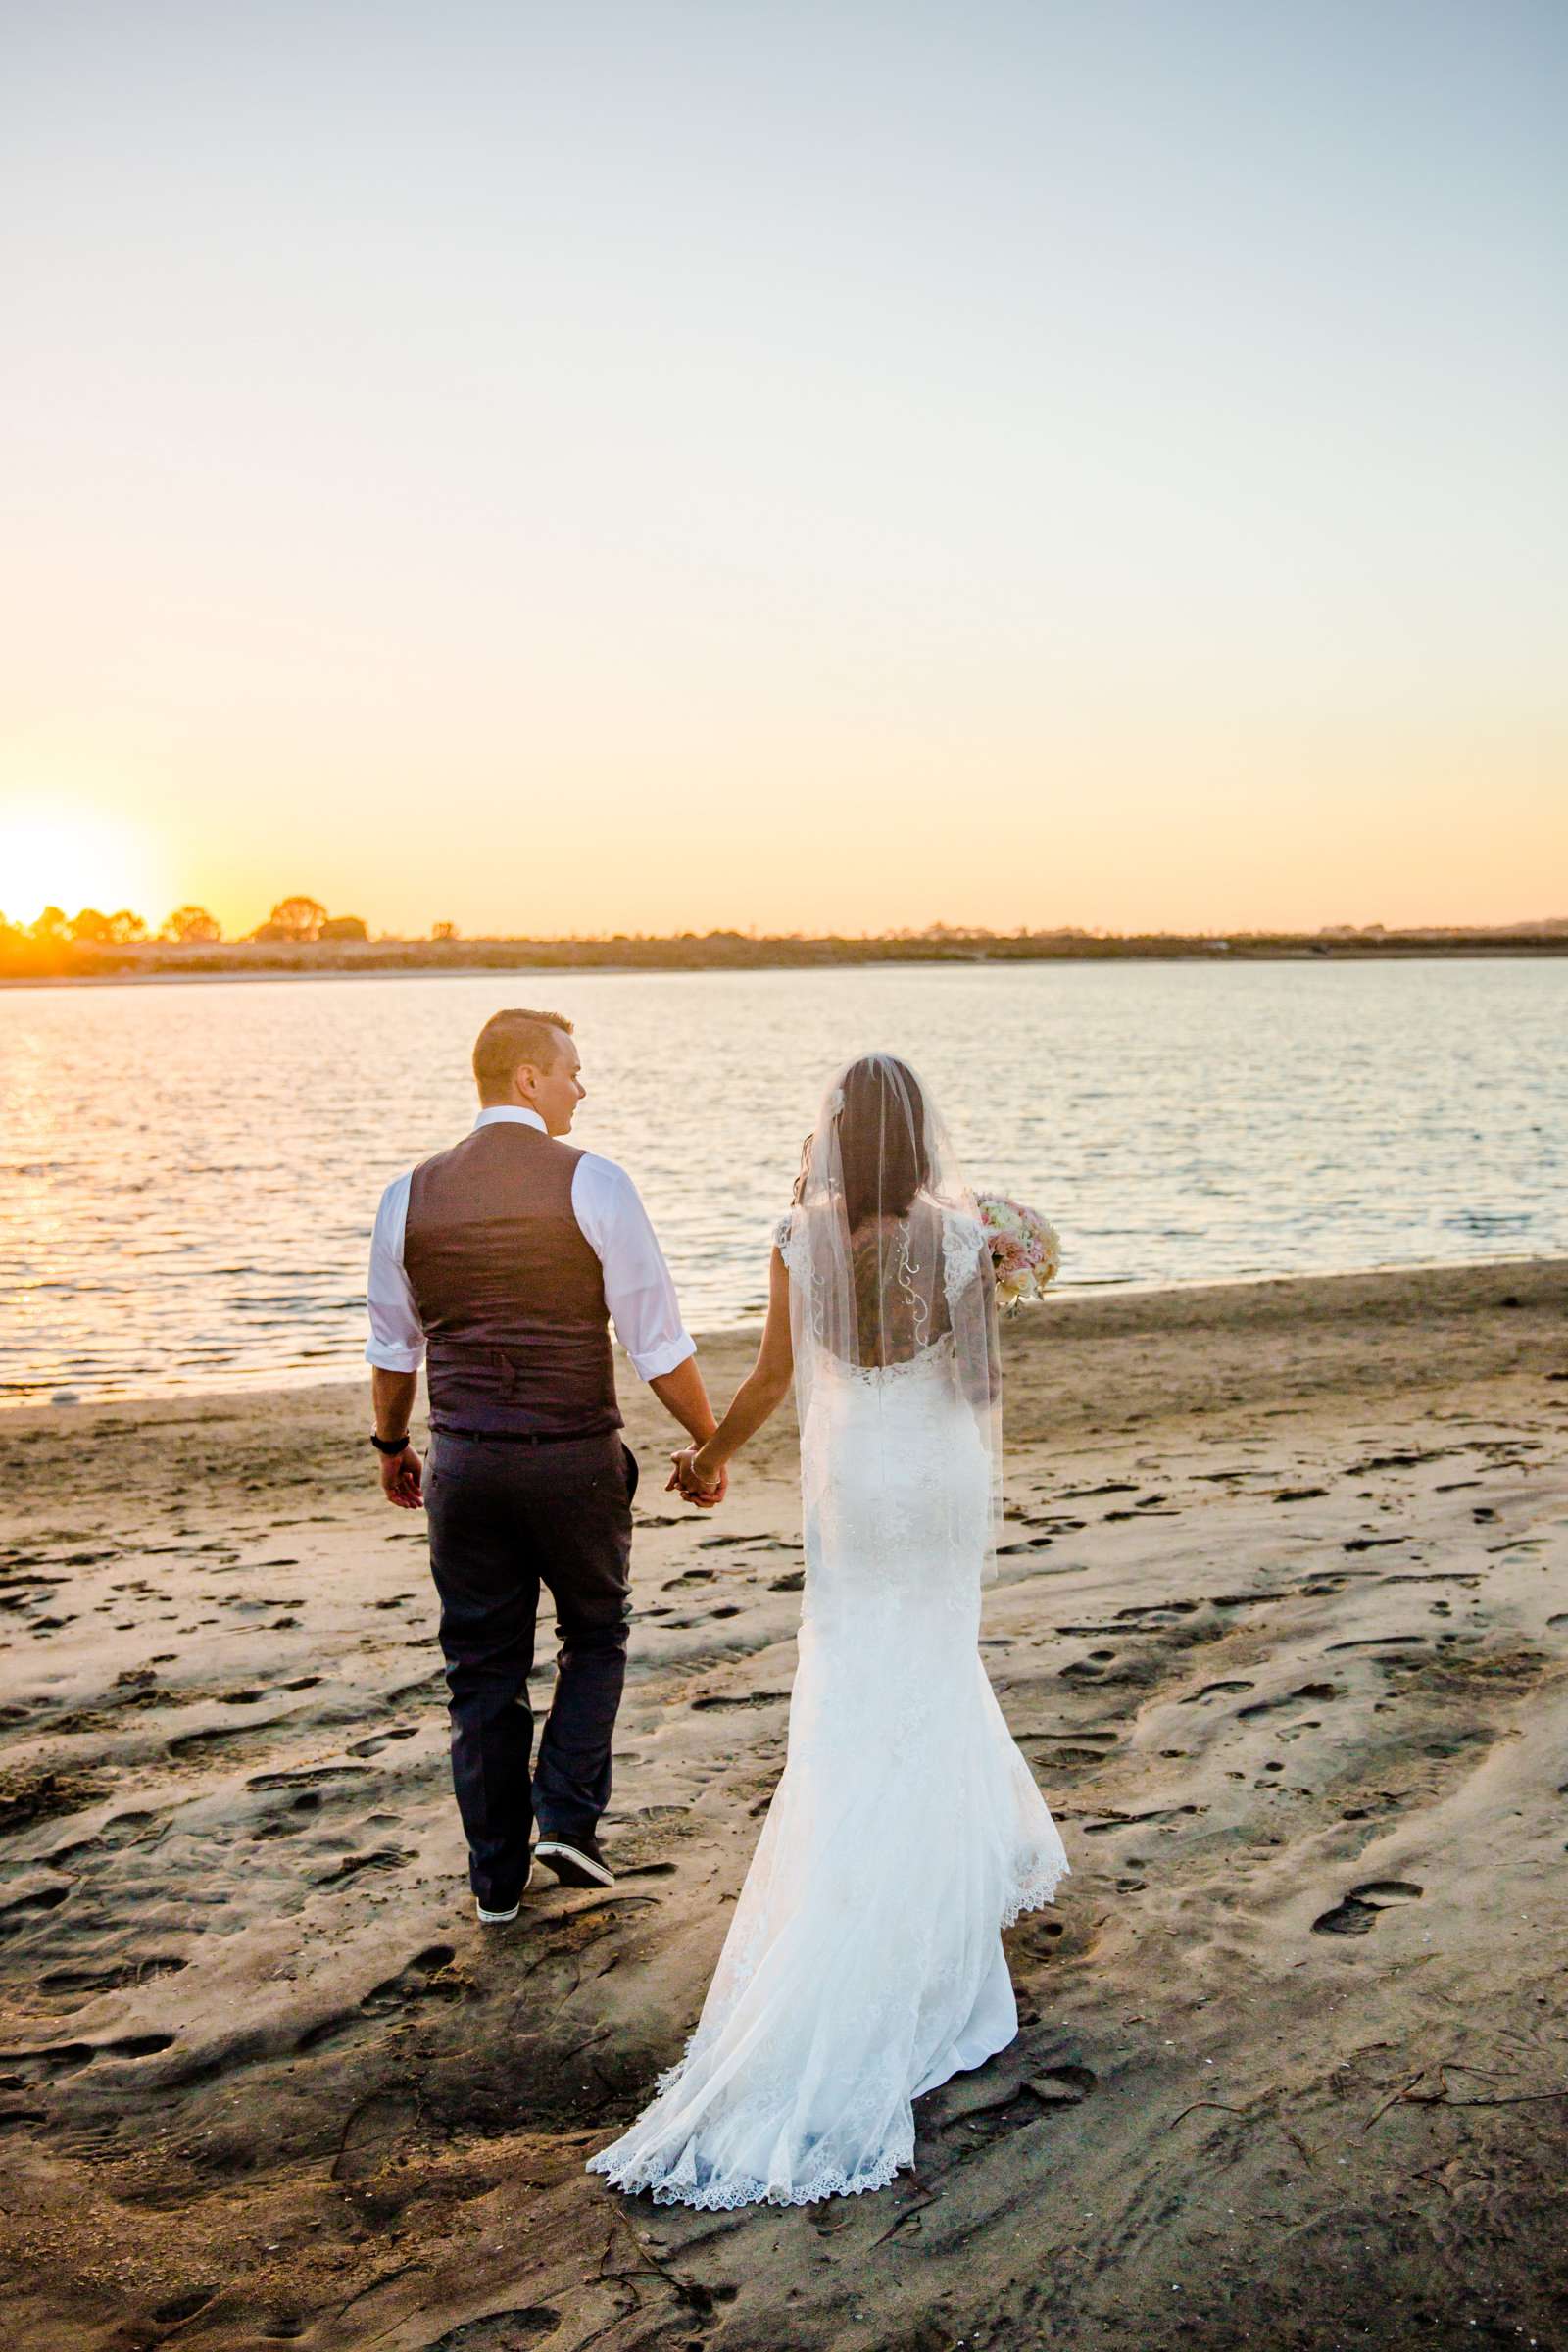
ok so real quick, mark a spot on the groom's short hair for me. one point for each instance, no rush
(511, 1037)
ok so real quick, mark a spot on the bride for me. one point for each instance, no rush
(863, 1964)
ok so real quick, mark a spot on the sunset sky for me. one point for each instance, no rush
(654, 466)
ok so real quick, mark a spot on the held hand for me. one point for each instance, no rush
(402, 1480)
(679, 1475)
(684, 1480)
(706, 1496)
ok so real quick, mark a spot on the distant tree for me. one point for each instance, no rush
(343, 926)
(443, 930)
(297, 918)
(119, 930)
(51, 924)
(192, 926)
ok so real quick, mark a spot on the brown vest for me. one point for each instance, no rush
(510, 1293)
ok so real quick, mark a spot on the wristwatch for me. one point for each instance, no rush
(389, 1445)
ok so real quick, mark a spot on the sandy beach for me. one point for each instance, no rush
(1283, 1630)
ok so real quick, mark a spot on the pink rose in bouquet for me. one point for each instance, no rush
(1025, 1248)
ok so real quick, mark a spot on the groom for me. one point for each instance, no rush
(499, 1264)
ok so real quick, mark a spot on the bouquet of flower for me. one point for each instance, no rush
(1025, 1248)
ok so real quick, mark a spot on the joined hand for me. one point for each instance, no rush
(684, 1482)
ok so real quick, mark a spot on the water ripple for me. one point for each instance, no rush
(204, 1219)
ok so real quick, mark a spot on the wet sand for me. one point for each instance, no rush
(1283, 1630)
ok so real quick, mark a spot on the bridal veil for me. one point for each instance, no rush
(888, 1268)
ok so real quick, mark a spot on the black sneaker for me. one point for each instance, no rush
(503, 1916)
(575, 1861)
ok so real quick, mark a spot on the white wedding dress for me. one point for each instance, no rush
(863, 1964)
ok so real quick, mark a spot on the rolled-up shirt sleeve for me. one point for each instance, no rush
(397, 1339)
(638, 1289)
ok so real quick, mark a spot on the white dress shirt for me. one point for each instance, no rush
(612, 1221)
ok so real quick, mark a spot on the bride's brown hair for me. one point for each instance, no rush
(882, 1139)
(882, 1146)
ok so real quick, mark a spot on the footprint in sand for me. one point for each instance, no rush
(750, 1698)
(1122, 1821)
(1213, 1690)
(124, 1829)
(1269, 1706)
(69, 2057)
(310, 1776)
(1357, 1913)
(378, 1739)
(62, 1984)
(1063, 2085)
(424, 1977)
(979, 2113)
(385, 1857)
(23, 1909)
(179, 2308)
(218, 1740)
(499, 2331)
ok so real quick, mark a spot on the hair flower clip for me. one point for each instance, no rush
(834, 1104)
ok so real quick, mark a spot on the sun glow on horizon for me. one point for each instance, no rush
(74, 857)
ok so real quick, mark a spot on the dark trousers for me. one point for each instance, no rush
(504, 1518)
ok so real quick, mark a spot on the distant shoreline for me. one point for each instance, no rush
(724, 951)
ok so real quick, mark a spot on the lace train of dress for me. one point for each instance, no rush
(863, 1964)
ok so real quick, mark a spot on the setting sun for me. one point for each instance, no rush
(74, 857)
